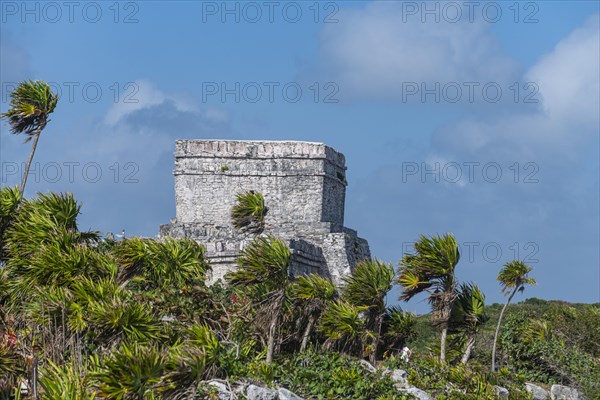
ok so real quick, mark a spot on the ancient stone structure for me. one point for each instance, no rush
(304, 186)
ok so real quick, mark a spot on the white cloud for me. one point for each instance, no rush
(568, 77)
(551, 203)
(144, 97)
(371, 51)
(567, 120)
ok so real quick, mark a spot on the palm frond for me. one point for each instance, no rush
(411, 283)
(514, 274)
(131, 372)
(116, 320)
(10, 197)
(314, 287)
(265, 260)
(30, 105)
(248, 214)
(170, 262)
(369, 283)
(65, 382)
(342, 320)
(469, 312)
(398, 327)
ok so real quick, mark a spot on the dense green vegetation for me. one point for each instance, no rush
(543, 341)
(84, 317)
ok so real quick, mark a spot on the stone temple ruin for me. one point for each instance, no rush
(304, 187)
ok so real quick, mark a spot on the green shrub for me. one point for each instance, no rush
(248, 213)
(329, 375)
(65, 382)
(459, 382)
(548, 359)
(130, 372)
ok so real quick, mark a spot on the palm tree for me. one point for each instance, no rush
(512, 276)
(368, 285)
(342, 323)
(248, 213)
(265, 262)
(431, 270)
(131, 371)
(313, 291)
(398, 328)
(43, 245)
(169, 262)
(31, 104)
(469, 315)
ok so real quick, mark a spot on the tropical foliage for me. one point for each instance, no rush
(31, 104)
(549, 344)
(431, 269)
(265, 265)
(367, 287)
(469, 315)
(540, 341)
(248, 213)
(513, 277)
(83, 317)
(312, 292)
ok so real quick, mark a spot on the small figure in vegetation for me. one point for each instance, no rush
(406, 353)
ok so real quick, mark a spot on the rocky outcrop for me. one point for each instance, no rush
(417, 393)
(559, 392)
(501, 393)
(368, 366)
(222, 390)
(399, 376)
(537, 392)
(285, 394)
(254, 392)
(243, 390)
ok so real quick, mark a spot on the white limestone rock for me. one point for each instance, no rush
(501, 393)
(538, 392)
(285, 394)
(223, 392)
(559, 392)
(368, 366)
(399, 376)
(417, 393)
(254, 392)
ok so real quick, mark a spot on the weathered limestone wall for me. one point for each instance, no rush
(304, 187)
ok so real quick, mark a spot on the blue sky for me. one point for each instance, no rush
(480, 119)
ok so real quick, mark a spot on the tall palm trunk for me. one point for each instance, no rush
(307, 332)
(468, 349)
(378, 322)
(443, 342)
(498, 327)
(36, 137)
(273, 325)
(446, 310)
